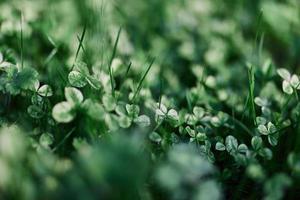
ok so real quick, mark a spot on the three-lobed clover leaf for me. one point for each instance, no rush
(65, 111)
(46, 139)
(77, 79)
(290, 82)
(271, 131)
(256, 143)
(196, 135)
(143, 121)
(80, 77)
(198, 112)
(17, 79)
(132, 110)
(231, 144)
(162, 113)
(267, 130)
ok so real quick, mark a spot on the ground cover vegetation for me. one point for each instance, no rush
(149, 99)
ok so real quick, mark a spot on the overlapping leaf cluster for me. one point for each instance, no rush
(188, 100)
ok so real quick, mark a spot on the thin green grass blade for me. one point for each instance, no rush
(142, 80)
(22, 40)
(63, 140)
(79, 45)
(251, 79)
(82, 47)
(128, 68)
(111, 60)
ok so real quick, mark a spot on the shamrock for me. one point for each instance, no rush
(290, 82)
(271, 131)
(64, 112)
(80, 77)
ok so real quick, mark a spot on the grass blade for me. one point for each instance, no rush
(111, 60)
(79, 45)
(142, 80)
(251, 93)
(22, 41)
(63, 140)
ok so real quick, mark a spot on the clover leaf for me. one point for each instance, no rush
(155, 137)
(35, 111)
(231, 144)
(256, 143)
(93, 109)
(109, 102)
(45, 91)
(143, 121)
(220, 146)
(73, 95)
(77, 79)
(80, 77)
(63, 112)
(290, 82)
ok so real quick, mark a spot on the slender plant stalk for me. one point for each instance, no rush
(79, 46)
(142, 80)
(111, 60)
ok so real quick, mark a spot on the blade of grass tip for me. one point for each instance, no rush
(22, 42)
(51, 41)
(245, 107)
(259, 19)
(251, 92)
(160, 90)
(202, 79)
(50, 56)
(142, 80)
(53, 52)
(260, 48)
(111, 60)
(125, 76)
(188, 99)
(240, 124)
(127, 70)
(79, 46)
(82, 47)
(63, 140)
(61, 74)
